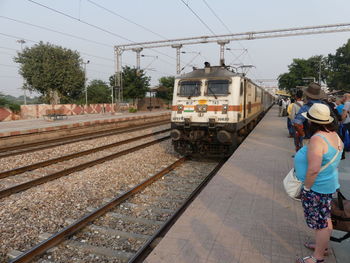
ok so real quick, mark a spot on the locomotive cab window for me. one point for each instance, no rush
(190, 88)
(218, 87)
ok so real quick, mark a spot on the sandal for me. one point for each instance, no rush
(311, 246)
(302, 260)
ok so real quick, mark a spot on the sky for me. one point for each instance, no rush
(151, 20)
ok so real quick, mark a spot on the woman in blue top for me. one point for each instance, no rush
(316, 165)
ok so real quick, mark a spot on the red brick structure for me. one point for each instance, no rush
(8, 115)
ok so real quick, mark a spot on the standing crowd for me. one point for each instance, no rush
(325, 123)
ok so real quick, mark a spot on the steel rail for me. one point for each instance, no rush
(50, 177)
(81, 223)
(73, 155)
(72, 139)
(143, 252)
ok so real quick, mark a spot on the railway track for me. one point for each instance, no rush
(37, 146)
(18, 187)
(125, 228)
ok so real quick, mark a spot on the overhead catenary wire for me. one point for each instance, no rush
(126, 19)
(12, 77)
(2, 52)
(92, 25)
(17, 37)
(81, 21)
(30, 40)
(134, 23)
(55, 31)
(10, 66)
(9, 48)
(218, 17)
(199, 18)
(228, 29)
(129, 21)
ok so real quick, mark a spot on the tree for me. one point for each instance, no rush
(167, 88)
(339, 68)
(98, 91)
(50, 69)
(135, 83)
(6, 103)
(302, 71)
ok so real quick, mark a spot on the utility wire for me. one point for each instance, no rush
(55, 31)
(10, 66)
(1, 52)
(222, 22)
(102, 65)
(227, 28)
(9, 48)
(14, 77)
(91, 25)
(29, 40)
(199, 18)
(81, 21)
(126, 19)
(134, 23)
(17, 37)
(94, 56)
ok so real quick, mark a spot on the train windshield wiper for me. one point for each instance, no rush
(192, 93)
(212, 92)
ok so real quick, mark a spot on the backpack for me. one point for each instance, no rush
(346, 137)
(340, 213)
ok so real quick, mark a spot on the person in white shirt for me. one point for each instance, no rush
(284, 107)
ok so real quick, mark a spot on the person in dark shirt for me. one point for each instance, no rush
(314, 94)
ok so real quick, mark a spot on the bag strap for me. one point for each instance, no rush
(298, 103)
(341, 197)
(334, 157)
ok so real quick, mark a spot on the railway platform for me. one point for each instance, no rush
(13, 133)
(243, 214)
(20, 127)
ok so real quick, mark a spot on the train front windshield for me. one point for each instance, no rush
(218, 87)
(190, 88)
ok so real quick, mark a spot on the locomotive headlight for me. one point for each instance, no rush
(180, 108)
(224, 108)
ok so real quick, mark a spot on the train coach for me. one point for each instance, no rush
(213, 109)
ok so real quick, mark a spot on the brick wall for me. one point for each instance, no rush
(8, 115)
(37, 111)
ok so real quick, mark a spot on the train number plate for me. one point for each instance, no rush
(202, 102)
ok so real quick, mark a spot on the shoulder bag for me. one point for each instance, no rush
(340, 213)
(292, 185)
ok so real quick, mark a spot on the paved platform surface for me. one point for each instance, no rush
(9, 128)
(243, 215)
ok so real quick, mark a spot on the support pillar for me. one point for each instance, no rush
(138, 51)
(118, 75)
(178, 47)
(222, 44)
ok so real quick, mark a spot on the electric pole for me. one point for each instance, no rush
(22, 41)
(86, 98)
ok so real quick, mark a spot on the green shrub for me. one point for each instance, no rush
(15, 108)
(132, 110)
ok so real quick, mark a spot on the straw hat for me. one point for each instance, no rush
(314, 91)
(319, 113)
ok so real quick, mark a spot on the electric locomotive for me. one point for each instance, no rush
(213, 109)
